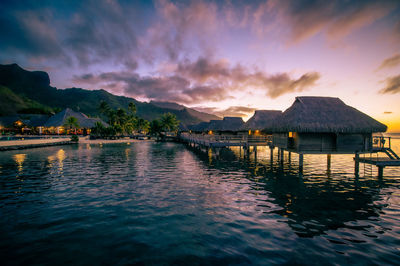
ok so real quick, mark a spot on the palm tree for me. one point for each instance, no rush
(104, 108)
(142, 124)
(132, 107)
(71, 122)
(169, 122)
(156, 128)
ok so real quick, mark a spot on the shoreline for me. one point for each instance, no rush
(28, 143)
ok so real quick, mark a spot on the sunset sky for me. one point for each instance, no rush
(225, 57)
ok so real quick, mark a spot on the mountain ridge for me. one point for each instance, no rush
(23, 86)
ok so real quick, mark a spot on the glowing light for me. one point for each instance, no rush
(249, 132)
(61, 157)
(210, 132)
(19, 159)
(290, 134)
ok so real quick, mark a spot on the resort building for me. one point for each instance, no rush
(22, 123)
(324, 125)
(56, 123)
(45, 124)
(228, 125)
(259, 121)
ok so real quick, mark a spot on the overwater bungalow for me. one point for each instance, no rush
(198, 128)
(259, 121)
(228, 125)
(324, 125)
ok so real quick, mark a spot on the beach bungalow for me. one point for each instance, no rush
(23, 123)
(324, 125)
(56, 123)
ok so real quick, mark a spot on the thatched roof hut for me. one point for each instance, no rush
(32, 120)
(324, 115)
(227, 124)
(60, 119)
(261, 119)
(200, 127)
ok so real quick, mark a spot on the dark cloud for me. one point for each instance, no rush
(168, 88)
(30, 33)
(392, 85)
(335, 19)
(237, 77)
(200, 81)
(180, 29)
(390, 62)
(84, 33)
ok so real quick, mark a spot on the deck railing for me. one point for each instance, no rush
(229, 139)
(381, 142)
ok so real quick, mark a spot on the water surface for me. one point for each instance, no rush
(162, 203)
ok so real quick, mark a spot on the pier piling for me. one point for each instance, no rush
(356, 164)
(300, 163)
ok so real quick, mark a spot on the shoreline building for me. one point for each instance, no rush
(56, 123)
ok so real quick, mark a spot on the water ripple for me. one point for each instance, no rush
(162, 203)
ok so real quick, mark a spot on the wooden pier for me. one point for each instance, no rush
(214, 143)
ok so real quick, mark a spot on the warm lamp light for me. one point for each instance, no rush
(290, 134)
(249, 132)
(210, 132)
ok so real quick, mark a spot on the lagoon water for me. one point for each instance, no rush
(162, 203)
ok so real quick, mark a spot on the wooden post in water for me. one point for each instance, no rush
(380, 171)
(328, 163)
(356, 164)
(271, 156)
(300, 163)
(255, 153)
(289, 157)
(281, 155)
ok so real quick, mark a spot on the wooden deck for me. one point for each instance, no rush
(379, 161)
(220, 141)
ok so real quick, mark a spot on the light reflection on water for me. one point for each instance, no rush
(161, 202)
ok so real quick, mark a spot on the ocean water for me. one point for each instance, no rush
(163, 203)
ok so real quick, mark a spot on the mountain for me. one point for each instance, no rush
(22, 91)
(200, 115)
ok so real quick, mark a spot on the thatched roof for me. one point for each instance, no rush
(200, 127)
(33, 120)
(261, 119)
(60, 119)
(324, 115)
(227, 124)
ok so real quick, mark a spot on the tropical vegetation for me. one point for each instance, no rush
(126, 122)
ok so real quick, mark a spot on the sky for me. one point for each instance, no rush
(224, 57)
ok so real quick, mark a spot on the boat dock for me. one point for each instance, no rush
(380, 145)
